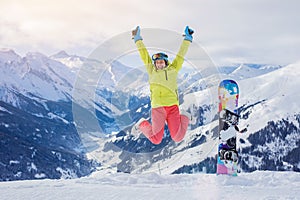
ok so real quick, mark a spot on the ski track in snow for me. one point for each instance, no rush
(101, 185)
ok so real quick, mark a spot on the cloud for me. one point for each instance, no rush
(249, 31)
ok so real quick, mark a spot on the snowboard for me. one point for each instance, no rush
(227, 160)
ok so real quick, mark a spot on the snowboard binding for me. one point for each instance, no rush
(228, 155)
(230, 118)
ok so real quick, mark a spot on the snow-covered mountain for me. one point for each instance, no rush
(38, 136)
(33, 75)
(248, 71)
(36, 106)
(72, 61)
(269, 109)
(37, 118)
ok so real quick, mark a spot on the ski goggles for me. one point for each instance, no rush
(159, 56)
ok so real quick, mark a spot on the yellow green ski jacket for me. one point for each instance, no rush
(163, 83)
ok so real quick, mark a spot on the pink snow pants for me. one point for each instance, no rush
(177, 124)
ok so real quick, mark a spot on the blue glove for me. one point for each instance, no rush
(188, 32)
(136, 34)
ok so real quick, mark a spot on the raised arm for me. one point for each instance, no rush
(179, 59)
(142, 49)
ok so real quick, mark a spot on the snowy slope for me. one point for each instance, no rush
(277, 90)
(257, 185)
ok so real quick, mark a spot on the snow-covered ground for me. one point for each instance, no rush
(102, 185)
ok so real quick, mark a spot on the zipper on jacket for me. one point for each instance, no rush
(166, 73)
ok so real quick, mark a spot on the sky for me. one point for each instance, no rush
(231, 31)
